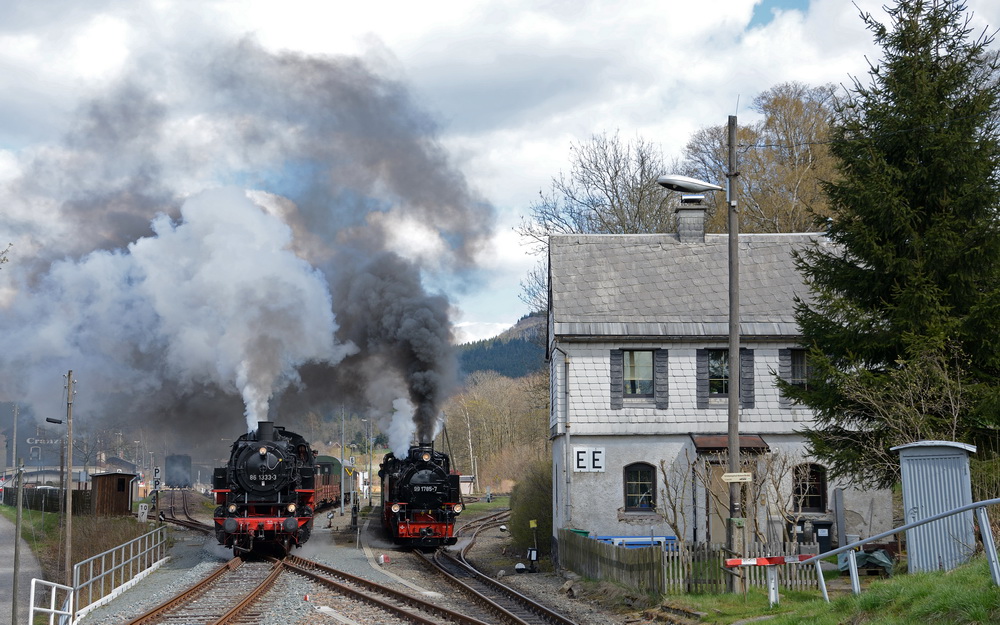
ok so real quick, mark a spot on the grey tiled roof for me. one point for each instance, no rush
(654, 285)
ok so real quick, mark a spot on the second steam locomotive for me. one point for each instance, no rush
(420, 497)
(265, 492)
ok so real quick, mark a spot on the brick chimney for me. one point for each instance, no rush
(691, 219)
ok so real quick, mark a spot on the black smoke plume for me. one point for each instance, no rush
(227, 229)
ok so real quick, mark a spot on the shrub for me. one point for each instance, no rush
(532, 500)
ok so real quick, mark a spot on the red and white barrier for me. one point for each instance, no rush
(771, 562)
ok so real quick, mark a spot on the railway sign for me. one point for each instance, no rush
(156, 484)
(143, 512)
(156, 472)
(737, 477)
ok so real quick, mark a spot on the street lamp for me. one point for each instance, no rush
(734, 532)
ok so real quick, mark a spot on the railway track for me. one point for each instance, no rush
(218, 599)
(497, 600)
(237, 592)
(168, 507)
(404, 606)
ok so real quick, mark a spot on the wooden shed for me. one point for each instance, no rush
(112, 493)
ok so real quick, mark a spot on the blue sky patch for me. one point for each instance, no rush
(763, 12)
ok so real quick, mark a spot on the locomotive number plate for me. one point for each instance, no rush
(263, 477)
(424, 489)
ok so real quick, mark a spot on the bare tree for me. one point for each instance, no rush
(675, 494)
(610, 188)
(503, 423)
(535, 287)
(783, 160)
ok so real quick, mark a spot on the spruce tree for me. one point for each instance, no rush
(903, 319)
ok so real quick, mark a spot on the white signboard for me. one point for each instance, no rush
(737, 477)
(143, 512)
(588, 459)
(156, 471)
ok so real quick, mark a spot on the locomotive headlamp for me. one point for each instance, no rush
(395, 507)
(458, 508)
(232, 508)
(291, 508)
(262, 451)
(426, 456)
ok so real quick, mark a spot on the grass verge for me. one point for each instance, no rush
(91, 536)
(964, 596)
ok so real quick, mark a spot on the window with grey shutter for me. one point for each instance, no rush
(617, 379)
(639, 374)
(712, 370)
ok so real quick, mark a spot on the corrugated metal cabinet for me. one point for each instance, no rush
(935, 480)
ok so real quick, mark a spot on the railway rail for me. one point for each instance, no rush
(405, 606)
(168, 506)
(218, 599)
(498, 600)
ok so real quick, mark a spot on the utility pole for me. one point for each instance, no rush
(736, 528)
(69, 481)
(19, 482)
(371, 450)
(342, 460)
(13, 452)
(17, 535)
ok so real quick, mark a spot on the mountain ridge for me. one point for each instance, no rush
(516, 352)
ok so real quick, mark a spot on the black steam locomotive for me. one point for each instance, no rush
(265, 493)
(420, 498)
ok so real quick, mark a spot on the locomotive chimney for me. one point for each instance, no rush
(265, 430)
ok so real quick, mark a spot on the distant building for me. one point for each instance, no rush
(638, 349)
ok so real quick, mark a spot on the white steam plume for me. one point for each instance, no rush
(235, 305)
(174, 305)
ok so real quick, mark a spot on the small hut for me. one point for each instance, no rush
(112, 493)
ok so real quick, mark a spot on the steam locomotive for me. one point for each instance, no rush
(420, 498)
(178, 473)
(265, 492)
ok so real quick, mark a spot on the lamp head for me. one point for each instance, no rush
(686, 184)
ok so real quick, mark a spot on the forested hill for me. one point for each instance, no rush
(516, 353)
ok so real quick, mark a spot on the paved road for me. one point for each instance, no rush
(28, 568)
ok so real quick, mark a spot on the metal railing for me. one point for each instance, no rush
(108, 574)
(105, 576)
(65, 612)
(985, 532)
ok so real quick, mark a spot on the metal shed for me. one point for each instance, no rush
(112, 494)
(935, 480)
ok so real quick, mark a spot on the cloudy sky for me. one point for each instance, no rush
(192, 187)
(508, 86)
